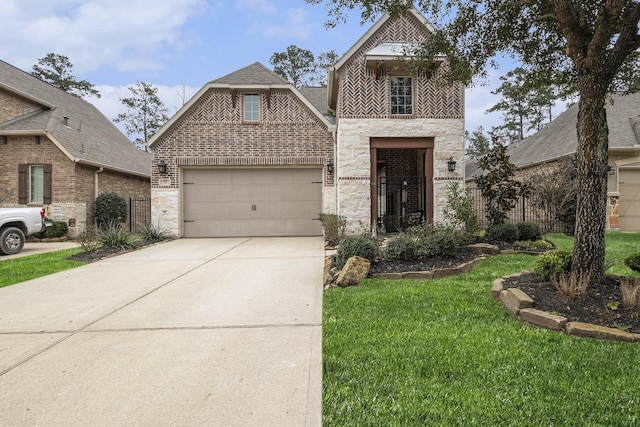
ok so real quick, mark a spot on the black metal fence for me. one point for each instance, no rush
(526, 210)
(139, 214)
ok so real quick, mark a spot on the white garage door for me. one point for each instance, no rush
(629, 199)
(252, 202)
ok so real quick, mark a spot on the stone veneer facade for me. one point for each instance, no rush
(353, 162)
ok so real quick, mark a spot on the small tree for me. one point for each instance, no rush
(500, 191)
(57, 70)
(145, 114)
(460, 212)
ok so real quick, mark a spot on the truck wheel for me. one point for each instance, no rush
(11, 240)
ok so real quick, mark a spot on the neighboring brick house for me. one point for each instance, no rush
(557, 141)
(250, 154)
(59, 152)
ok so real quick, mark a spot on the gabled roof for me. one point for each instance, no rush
(559, 138)
(87, 136)
(255, 73)
(253, 77)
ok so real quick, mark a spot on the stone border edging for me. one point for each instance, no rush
(521, 305)
(437, 273)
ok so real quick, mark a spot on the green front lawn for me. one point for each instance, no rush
(443, 353)
(17, 270)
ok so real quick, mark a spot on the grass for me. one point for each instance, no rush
(17, 270)
(443, 353)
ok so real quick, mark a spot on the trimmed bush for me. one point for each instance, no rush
(633, 262)
(505, 232)
(553, 264)
(115, 236)
(401, 248)
(529, 231)
(55, 229)
(355, 246)
(110, 207)
(441, 243)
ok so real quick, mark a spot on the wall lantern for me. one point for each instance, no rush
(451, 164)
(611, 169)
(330, 166)
(162, 167)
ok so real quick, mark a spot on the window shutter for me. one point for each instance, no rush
(47, 193)
(23, 183)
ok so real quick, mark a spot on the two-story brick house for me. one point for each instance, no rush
(251, 155)
(57, 151)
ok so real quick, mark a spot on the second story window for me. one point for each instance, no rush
(401, 95)
(251, 107)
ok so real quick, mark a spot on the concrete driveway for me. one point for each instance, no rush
(206, 332)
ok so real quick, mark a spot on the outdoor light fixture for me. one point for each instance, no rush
(611, 169)
(330, 166)
(162, 167)
(451, 164)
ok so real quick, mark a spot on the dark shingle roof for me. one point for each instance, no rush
(255, 73)
(88, 137)
(559, 138)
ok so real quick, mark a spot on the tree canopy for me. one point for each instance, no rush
(301, 67)
(145, 114)
(589, 45)
(56, 70)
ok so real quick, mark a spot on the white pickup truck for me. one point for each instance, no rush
(15, 224)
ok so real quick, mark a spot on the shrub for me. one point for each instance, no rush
(88, 241)
(630, 289)
(55, 229)
(151, 232)
(504, 232)
(110, 207)
(402, 248)
(532, 245)
(334, 227)
(633, 261)
(572, 285)
(115, 236)
(441, 243)
(553, 264)
(355, 246)
(460, 211)
(529, 231)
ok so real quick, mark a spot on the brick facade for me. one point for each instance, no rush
(213, 133)
(73, 184)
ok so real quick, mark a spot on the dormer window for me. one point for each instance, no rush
(401, 95)
(251, 107)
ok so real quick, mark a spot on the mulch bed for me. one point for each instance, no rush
(108, 251)
(601, 305)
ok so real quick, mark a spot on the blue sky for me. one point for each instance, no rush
(180, 45)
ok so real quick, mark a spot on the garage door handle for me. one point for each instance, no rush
(189, 220)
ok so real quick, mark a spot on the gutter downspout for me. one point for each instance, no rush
(96, 187)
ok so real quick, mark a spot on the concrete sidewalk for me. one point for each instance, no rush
(216, 332)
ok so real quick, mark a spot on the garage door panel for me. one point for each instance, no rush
(629, 200)
(252, 202)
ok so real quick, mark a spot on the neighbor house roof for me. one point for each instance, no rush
(78, 128)
(252, 77)
(559, 138)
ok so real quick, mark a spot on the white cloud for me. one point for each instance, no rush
(94, 34)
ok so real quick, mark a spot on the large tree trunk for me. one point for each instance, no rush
(592, 157)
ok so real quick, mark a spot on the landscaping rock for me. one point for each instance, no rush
(515, 300)
(595, 331)
(354, 272)
(496, 288)
(418, 275)
(543, 319)
(484, 248)
(388, 276)
(441, 273)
